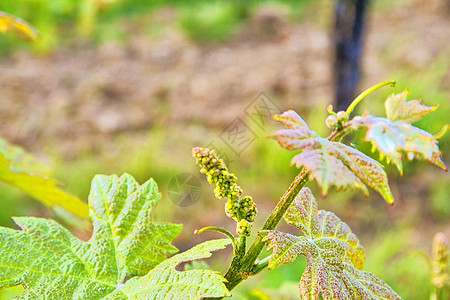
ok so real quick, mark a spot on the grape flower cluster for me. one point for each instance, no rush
(241, 209)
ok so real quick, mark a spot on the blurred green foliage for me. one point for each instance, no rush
(14, 203)
(398, 263)
(68, 22)
(214, 21)
(440, 195)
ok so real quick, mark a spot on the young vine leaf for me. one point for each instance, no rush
(335, 257)
(395, 135)
(126, 243)
(398, 109)
(23, 171)
(11, 23)
(121, 211)
(330, 163)
(164, 282)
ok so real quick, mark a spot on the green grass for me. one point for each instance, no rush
(394, 258)
(67, 22)
(212, 22)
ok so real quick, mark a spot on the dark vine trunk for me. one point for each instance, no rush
(348, 41)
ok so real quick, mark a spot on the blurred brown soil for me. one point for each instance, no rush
(79, 98)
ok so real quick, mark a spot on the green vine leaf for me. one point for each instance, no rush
(330, 163)
(394, 135)
(121, 211)
(11, 23)
(335, 257)
(23, 171)
(164, 282)
(53, 264)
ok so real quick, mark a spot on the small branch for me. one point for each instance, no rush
(261, 265)
(286, 200)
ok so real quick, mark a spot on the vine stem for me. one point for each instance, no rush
(364, 94)
(242, 245)
(241, 271)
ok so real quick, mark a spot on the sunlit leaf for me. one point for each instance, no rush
(331, 163)
(51, 263)
(22, 170)
(395, 136)
(11, 23)
(398, 109)
(335, 257)
(291, 120)
(123, 209)
(164, 282)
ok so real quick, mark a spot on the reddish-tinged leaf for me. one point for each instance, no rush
(367, 169)
(296, 139)
(328, 169)
(393, 138)
(321, 225)
(398, 109)
(291, 120)
(331, 163)
(335, 257)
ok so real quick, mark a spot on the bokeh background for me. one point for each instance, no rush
(117, 86)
